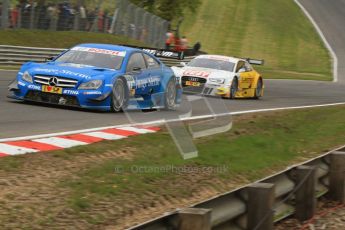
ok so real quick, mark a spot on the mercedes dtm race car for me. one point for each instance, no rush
(217, 75)
(103, 77)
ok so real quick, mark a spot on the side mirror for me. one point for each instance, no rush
(136, 69)
(50, 58)
(242, 70)
(183, 64)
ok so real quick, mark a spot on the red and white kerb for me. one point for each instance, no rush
(60, 142)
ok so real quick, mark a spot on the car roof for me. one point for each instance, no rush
(108, 47)
(220, 57)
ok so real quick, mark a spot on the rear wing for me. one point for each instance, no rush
(161, 53)
(255, 61)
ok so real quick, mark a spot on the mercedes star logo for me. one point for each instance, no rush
(53, 81)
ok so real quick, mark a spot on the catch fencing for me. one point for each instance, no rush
(258, 206)
(17, 55)
(111, 16)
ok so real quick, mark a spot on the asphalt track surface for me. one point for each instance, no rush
(329, 15)
(22, 119)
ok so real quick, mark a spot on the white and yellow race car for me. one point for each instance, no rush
(217, 75)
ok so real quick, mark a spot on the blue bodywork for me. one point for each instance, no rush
(146, 87)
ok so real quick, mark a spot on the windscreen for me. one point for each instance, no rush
(100, 58)
(212, 64)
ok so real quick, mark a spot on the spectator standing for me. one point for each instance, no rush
(100, 21)
(50, 14)
(90, 19)
(106, 21)
(26, 12)
(41, 16)
(60, 20)
(184, 43)
(169, 40)
(14, 16)
(83, 18)
(64, 16)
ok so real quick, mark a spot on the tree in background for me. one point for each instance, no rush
(168, 9)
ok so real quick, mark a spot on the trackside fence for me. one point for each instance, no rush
(259, 205)
(101, 16)
(17, 55)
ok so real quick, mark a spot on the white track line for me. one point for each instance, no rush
(328, 46)
(158, 122)
(60, 142)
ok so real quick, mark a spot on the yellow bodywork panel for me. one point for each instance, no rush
(247, 84)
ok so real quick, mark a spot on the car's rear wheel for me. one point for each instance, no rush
(119, 96)
(258, 90)
(170, 95)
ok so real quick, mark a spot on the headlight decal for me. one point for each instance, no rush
(217, 80)
(27, 77)
(94, 84)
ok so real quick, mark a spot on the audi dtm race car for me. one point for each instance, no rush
(102, 77)
(217, 75)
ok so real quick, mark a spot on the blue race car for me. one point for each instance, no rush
(102, 77)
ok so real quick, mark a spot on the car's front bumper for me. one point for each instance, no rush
(221, 90)
(91, 99)
(208, 89)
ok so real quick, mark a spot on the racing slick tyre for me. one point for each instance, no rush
(119, 96)
(233, 88)
(170, 95)
(258, 90)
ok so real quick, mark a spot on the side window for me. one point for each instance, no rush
(151, 62)
(239, 66)
(136, 61)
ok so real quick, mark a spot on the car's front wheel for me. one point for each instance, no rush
(170, 94)
(119, 97)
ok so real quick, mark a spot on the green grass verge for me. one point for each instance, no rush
(59, 39)
(251, 149)
(276, 32)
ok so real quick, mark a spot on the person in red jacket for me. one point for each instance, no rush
(169, 40)
(14, 16)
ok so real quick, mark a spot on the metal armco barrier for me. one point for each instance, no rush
(17, 55)
(259, 205)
